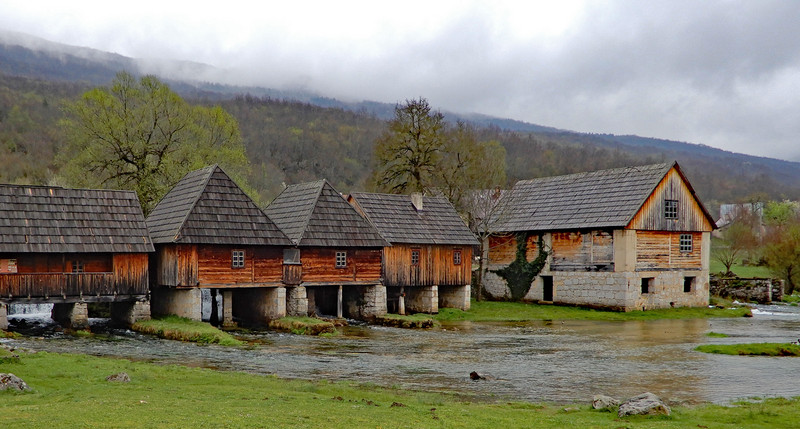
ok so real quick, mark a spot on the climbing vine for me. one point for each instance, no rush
(520, 273)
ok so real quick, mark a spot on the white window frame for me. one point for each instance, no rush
(237, 258)
(341, 259)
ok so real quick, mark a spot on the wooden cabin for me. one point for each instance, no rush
(337, 252)
(73, 246)
(209, 234)
(429, 262)
(627, 238)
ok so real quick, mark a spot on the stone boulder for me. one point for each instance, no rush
(120, 377)
(603, 402)
(11, 381)
(644, 404)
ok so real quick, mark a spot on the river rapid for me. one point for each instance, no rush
(542, 361)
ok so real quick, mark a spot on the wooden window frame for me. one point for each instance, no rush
(78, 266)
(457, 257)
(670, 209)
(686, 243)
(415, 257)
(341, 259)
(238, 258)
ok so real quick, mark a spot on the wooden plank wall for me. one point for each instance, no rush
(261, 265)
(319, 265)
(436, 266)
(176, 265)
(651, 216)
(661, 250)
(131, 273)
(591, 250)
(503, 248)
(62, 262)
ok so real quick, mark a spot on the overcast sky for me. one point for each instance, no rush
(721, 73)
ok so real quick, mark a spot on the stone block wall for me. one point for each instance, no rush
(186, 303)
(130, 312)
(3, 316)
(365, 302)
(258, 306)
(71, 315)
(296, 301)
(454, 297)
(422, 299)
(751, 290)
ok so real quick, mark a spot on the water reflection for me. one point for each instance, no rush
(537, 361)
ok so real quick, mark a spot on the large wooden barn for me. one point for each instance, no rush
(626, 238)
(209, 234)
(429, 263)
(73, 246)
(337, 251)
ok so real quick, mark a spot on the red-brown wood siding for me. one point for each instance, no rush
(661, 250)
(503, 248)
(582, 250)
(176, 265)
(651, 216)
(436, 265)
(319, 265)
(262, 265)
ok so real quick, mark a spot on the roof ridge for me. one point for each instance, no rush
(666, 165)
(321, 184)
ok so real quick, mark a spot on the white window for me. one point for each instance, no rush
(671, 209)
(237, 259)
(686, 243)
(341, 259)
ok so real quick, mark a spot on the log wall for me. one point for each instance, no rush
(436, 265)
(661, 250)
(582, 251)
(319, 265)
(262, 265)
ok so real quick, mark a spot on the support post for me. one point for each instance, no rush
(339, 312)
(3, 316)
(186, 303)
(71, 315)
(227, 309)
(297, 301)
(128, 313)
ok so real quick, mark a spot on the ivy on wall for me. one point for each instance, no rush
(520, 273)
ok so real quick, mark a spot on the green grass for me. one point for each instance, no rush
(793, 298)
(419, 320)
(716, 335)
(753, 349)
(488, 311)
(183, 329)
(303, 325)
(70, 391)
(744, 271)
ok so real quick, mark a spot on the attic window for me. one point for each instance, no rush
(341, 259)
(671, 209)
(686, 243)
(457, 257)
(237, 259)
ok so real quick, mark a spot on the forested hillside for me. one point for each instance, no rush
(289, 142)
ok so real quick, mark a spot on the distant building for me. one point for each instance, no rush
(627, 238)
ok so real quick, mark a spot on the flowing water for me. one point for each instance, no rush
(533, 361)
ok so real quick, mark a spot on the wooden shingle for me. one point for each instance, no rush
(208, 207)
(315, 214)
(57, 220)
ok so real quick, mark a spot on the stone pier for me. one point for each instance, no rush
(258, 306)
(365, 302)
(3, 316)
(129, 312)
(227, 309)
(422, 299)
(186, 303)
(296, 301)
(71, 315)
(454, 297)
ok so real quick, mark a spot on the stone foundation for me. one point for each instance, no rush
(3, 316)
(128, 313)
(422, 299)
(257, 306)
(296, 301)
(71, 315)
(365, 302)
(227, 309)
(751, 290)
(454, 297)
(186, 303)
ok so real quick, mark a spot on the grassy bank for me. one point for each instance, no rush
(752, 349)
(182, 329)
(70, 391)
(745, 271)
(488, 311)
(413, 321)
(302, 326)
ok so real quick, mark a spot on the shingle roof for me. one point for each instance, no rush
(399, 222)
(597, 199)
(315, 214)
(207, 207)
(57, 220)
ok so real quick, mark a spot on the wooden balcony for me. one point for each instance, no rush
(292, 274)
(16, 286)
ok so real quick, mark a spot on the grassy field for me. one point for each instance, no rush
(70, 391)
(753, 349)
(746, 271)
(488, 311)
(182, 329)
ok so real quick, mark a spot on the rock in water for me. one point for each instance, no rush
(11, 381)
(121, 377)
(603, 402)
(644, 404)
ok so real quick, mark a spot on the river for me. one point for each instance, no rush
(558, 361)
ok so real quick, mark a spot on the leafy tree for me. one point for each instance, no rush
(140, 135)
(408, 154)
(782, 242)
(734, 243)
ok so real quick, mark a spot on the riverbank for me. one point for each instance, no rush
(497, 311)
(72, 391)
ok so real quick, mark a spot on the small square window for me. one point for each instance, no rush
(671, 209)
(341, 259)
(414, 257)
(291, 256)
(688, 284)
(457, 257)
(686, 243)
(77, 267)
(647, 284)
(237, 259)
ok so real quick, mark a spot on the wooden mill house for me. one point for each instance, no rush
(337, 253)
(429, 262)
(209, 234)
(627, 238)
(71, 247)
